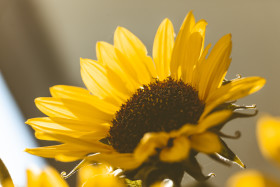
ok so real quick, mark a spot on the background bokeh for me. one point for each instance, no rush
(41, 42)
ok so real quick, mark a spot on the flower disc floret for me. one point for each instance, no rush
(159, 106)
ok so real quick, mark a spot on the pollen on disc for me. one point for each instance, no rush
(159, 106)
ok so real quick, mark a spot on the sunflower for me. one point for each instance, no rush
(147, 116)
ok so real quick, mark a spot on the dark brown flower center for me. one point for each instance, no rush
(159, 106)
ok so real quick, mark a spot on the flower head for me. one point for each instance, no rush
(146, 114)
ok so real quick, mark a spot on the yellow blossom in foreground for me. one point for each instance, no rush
(48, 177)
(268, 133)
(88, 176)
(99, 176)
(252, 178)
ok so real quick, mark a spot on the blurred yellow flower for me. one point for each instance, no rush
(134, 102)
(268, 133)
(99, 176)
(88, 176)
(252, 178)
(46, 177)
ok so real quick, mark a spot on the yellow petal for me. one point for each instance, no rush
(187, 49)
(162, 48)
(33, 177)
(197, 70)
(71, 109)
(98, 175)
(149, 143)
(136, 53)
(115, 159)
(180, 43)
(47, 177)
(104, 181)
(62, 124)
(46, 134)
(89, 171)
(185, 130)
(213, 70)
(73, 147)
(212, 120)
(64, 153)
(52, 178)
(234, 90)
(96, 79)
(252, 178)
(92, 146)
(83, 95)
(177, 152)
(268, 133)
(106, 54)
(192, 54)
(206, 142)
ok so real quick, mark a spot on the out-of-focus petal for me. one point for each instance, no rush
(268, 134)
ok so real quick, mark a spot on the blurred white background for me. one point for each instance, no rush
(41, 42)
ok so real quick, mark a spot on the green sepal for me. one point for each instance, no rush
(226, 154)
(154, 171)
(193, 168)
(133, 183)
(235, 114)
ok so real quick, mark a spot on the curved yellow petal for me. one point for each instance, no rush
(148, 144)
(186, 130)
(63, 152)
(234, 90)
(252, 178)
(52, 178)
(104, 181)
(107, 55)
(33, 177)
(162, 48)
(212, 120)
(68, 124)
(92, 146)
(197, 74)
(213, 70)
(136, 54)
(71, 109)
(83, 95)
(180, 43)
(115, 159)
(98, 175)
(187, 49)
(46, 177)
(206, 142)
(120, 75)
(268, 133)
(96, 79)
(177, 152)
